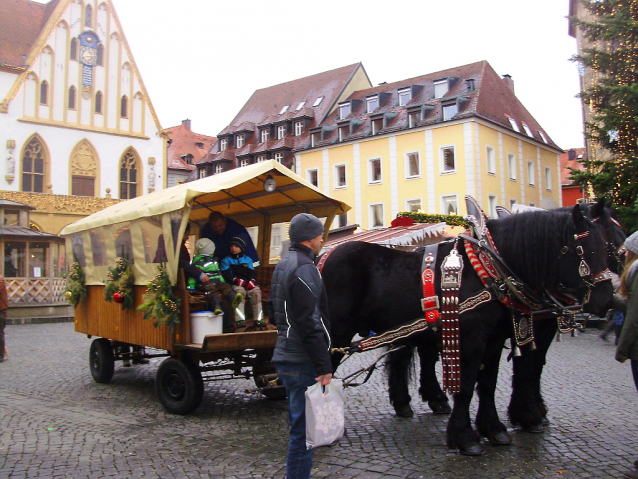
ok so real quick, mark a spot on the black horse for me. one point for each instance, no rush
(371, 287)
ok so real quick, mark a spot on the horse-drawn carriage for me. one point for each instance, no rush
(140, 240)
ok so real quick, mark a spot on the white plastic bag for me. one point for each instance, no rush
(324, 414)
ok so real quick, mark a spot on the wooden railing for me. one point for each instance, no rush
(36, 290)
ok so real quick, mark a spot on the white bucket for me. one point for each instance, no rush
(204, 323)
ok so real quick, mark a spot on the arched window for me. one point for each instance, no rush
(88, 14)
(74, 49)
(99, 61)
(129, 173)
(98, 102)
(44, 93)
(72, 97)
(84, 169)
(124, 107)
(33, 166)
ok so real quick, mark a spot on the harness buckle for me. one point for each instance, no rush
(430, 303)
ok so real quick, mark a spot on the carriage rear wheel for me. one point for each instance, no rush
(101, 360)
(179, 386)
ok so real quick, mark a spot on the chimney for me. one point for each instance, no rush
(571, 155)
(509, 82)
(187, 123)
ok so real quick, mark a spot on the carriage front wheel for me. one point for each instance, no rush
(179, 386)
(101, 360)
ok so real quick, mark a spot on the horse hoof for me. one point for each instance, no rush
(474, 449)
(404, 411)
(440, 407)
(545, 421)
(534, 428)
(500, 439)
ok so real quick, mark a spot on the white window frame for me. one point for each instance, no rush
(445, 111)
(437, 91)
(511, 166)
(239, 141)
(243, 162)
(298, 128)
(342, 132)
(408, 206)
(371, 180)
(284, 109)
(531, 177)
(317, 101)
(343, 216)
(372, 100)
(373, 125)
(490, 157)
(416, 114)
(442, 149)
(315, 138)
(405, 96)
(527, 130)
(202, 173)
(408, 176)
(514, 124)
(281, 131)
(491, 206)
(513, 201)
(265, 134)
(261, 158)
(219, 169)
(279, 156)
(339, 186)
(371, 207)
(542, 135)
(301, 105)
(548, 178)
(455, 196)
(309, 172)
(223, 144)
(342, 108)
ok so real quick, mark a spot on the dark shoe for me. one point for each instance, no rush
(604, 337)
(237, 300)
(241, 324)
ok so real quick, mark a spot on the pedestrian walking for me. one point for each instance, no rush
(627, 301)
(299, 304)
(4, 306)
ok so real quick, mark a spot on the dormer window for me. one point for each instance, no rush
(344, 110)
(470, 85)
(284, 109)
(202, 173)
(219, 169)
(441, 88)
(261, 158)
(223, 144)
(239, 141)
(199, 145)
(265, 134)
(317, 101)
(514, 124)
(405, 95)
(298, 128)
(188, 158)
(343, 132)
(449, 111)
(315, 138)
(376, 125)
(413, 119)
(527, 130)
(281, 131)
(301, 105)
(372, 103)
(279, 157)
(542, 135)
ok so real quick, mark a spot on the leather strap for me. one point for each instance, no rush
(430, 301)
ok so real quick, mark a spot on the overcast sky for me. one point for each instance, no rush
(203, 59)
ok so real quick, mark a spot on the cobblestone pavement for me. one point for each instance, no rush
(57, 422)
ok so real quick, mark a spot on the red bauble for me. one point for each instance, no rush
(118, 297)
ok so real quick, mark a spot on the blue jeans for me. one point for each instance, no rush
(297, 378)
(634, 370)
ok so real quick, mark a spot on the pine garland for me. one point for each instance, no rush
(120, 280)
(75, 289)
(452, 220)
(159, 302)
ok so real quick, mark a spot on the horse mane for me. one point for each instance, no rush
(531, 243)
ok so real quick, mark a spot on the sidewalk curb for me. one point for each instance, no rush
(42, 320)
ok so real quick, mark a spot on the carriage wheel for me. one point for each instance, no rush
(101, 360)
(179, 386)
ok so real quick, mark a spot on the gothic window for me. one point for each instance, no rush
(124, 107)
(33, 166)
(129, 172)
(84, 167)
(71, 98)
(99, 61)
(44, 93)
(98, 102)
(88, 15)
(74, 49)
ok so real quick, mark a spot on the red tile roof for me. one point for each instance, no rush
(183, 142)
(569, 159)
(21, 21)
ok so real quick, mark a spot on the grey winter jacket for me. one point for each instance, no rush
(298, 302)
(628, 342)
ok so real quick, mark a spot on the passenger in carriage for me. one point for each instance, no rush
(221, 230)
(238, 271)
(206, 276)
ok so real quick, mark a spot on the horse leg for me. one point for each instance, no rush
(399, 365)
(487, 420)
(430, 390)
(527, 408)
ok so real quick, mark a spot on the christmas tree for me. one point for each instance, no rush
(612, 99)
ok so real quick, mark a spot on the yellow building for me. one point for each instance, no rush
(426, 142)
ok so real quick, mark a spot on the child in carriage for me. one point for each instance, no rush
(207, 277)
(238, 271)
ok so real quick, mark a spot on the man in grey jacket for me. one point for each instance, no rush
(299, 304)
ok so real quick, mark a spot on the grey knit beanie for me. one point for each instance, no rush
(631, 243)
(304, 227)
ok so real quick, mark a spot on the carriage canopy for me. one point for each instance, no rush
(147, 230)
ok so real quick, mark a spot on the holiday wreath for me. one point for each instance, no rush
(119, 284)
(159, 302)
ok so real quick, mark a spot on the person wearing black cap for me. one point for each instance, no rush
(238, 271)
(299, 306)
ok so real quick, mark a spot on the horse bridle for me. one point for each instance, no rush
(614, 251)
